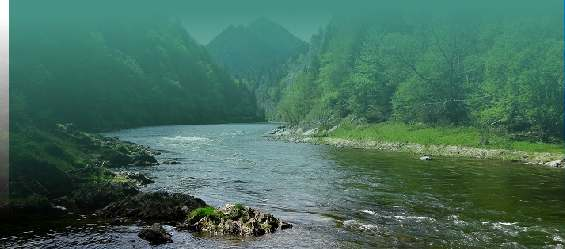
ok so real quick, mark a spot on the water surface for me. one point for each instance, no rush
(342, 198)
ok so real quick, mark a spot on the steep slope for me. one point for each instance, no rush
(102, 72)
(257, 55)
(118, 73)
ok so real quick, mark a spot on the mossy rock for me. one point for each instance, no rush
(204, 212)
(233, 219)
(154, 207)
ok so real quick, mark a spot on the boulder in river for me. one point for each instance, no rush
(426, 158)
(137, 177)
(277, 130)
(233, 219)
(143, 158)
(170, 161)
(153, 207)
(155, 234)
(555, 164)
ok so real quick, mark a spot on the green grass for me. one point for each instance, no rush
(200, 213)
(239, 206)
(425, 135)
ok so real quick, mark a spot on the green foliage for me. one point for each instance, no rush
(498, 73)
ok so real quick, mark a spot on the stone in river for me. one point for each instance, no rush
(155, 234)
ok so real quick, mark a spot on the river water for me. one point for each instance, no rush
(341, 198)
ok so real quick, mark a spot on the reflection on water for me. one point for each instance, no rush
(342, 197)
(455, 202)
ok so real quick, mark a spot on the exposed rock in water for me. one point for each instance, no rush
(137, 177)
(143, 158)
(285, 225)
(233, 220)
(155, 234)
(277, 130)
(170, 161)
(555, 163)
(153, 207)
(426, 158)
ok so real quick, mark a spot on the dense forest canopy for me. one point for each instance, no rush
(116, 72)
(465, 66)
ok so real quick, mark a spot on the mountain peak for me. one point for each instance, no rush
(255, 48)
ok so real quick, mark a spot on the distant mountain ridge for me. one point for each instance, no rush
(247, 51)
(257, 55)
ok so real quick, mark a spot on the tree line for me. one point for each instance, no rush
(498, 72)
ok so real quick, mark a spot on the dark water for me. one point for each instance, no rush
(340, 198)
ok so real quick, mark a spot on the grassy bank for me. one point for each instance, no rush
(460, 136)
(425, 140)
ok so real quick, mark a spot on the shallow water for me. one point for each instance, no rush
(342, 198)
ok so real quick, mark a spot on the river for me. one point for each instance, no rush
(341, 198)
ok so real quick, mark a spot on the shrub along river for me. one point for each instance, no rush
(343, 198)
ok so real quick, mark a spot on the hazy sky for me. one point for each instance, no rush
(303, 26)
(205, 20)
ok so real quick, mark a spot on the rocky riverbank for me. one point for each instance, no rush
(89, 175)
(109, 152)
(65, 167)
(320, 136)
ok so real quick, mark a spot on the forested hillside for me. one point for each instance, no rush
(499, 72)
(103, 72)
(257, 55)
(117, 72)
